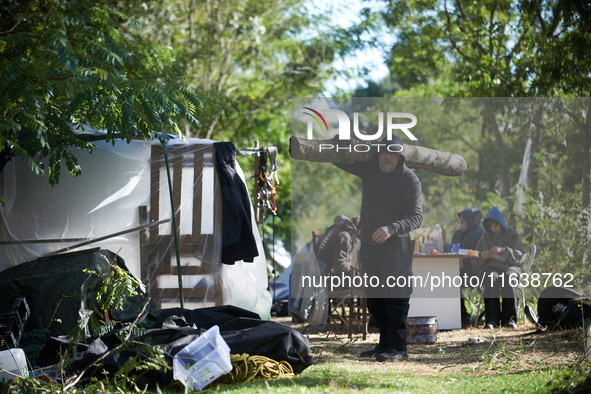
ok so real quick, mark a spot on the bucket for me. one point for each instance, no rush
(13, 362)
(421, 329)
(203, 360)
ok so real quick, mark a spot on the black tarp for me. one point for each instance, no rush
(60, 291)
(172, 329)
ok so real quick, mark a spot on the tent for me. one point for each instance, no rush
(121, 203)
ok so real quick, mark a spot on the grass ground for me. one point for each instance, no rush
(509, 361)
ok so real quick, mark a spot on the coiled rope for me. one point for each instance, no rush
(246, 368)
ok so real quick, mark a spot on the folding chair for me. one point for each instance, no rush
(530, 254)
(348, 306)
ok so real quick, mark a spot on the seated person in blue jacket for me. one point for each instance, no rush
(501, 255)
(467, 236)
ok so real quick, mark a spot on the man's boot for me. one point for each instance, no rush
(379, 348)
(392, 355)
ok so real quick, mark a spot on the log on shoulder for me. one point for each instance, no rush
(417, 157)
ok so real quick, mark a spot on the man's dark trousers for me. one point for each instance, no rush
(390, 315)
(389, 305)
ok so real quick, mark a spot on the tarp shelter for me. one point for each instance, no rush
(122, 200)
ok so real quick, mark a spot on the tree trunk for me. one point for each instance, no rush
(505, 182)
(534, 164)
(586, 124)
(417, 157)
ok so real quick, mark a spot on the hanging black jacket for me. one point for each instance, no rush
(238, 242)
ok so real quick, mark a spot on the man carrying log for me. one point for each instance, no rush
(391, 206)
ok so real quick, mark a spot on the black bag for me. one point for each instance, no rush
(575, 313)
(561, 308)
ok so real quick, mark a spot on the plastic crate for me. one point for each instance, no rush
(203, 360)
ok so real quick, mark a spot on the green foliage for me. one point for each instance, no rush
(502, 48)
(35, 340)
(66, 65)
(558, 61)
(320, 191)
(559, 226)
(114, 287)
(576, 380)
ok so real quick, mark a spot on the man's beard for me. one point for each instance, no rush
(391, 169)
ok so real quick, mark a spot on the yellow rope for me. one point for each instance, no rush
(246, 368)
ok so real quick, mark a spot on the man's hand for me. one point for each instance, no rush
(495, 250)
(486, 254)
(382, 234)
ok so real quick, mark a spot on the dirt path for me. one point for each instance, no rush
(502, 351)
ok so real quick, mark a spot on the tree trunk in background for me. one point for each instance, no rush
(534, 163)
(505, 182)
(586, 124)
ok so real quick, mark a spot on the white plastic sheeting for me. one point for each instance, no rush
(123, 198)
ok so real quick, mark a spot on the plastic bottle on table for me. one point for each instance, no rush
(428, 246)
(437, 238)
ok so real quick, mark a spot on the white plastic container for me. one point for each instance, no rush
(203, 360)
(13, 362)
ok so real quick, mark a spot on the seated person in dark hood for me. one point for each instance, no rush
(467, 237)
(501, 254)
(336, 246)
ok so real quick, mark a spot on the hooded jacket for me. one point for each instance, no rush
(388, 199)
(336, 246)
(512, 250)
(469, 238)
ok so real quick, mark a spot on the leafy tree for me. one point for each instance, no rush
(68, 64)
(559, 64)
(247, 60)
(504, 48)
(500, 48)
(476, 46)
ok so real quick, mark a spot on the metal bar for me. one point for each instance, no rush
(42, 241)
(91, 241)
